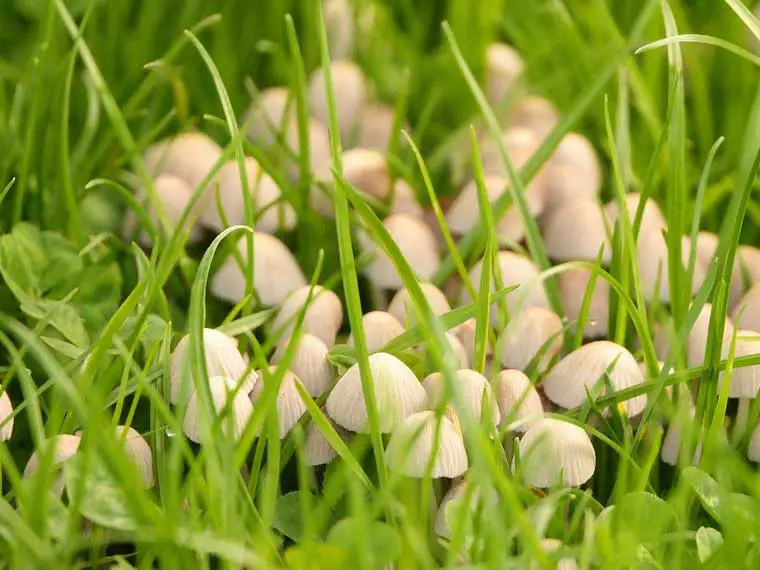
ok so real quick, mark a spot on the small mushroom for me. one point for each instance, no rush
(405, 200)
(518, 400)
(461, 356)
(573, 285)
(189, 156)
(276, 273)
(551, 546)
(402, 308)
(367, 170)
(376, 128)
(339, 25)
(272, 112)
(535, 113)
(240, 410)
(504, 66)
(652, 258)
(473, 386)
(580, 371)
(745, 380)
(310, 363)
(652, 219)
(520, 143)
(573, 173)
(290, 405)
(672, 442)
(319, 451)
(397, 391)
(696, 342)
(413, 449)
(707, 248)
(554, 452)
(529, 332)
(138, 451)
(65, 447)
(577, 230)
(746, 315)
(466, 334)
(322, 318)
(749, 257)
(350, 96)
(6, 416)
(379, 329)
(753, 451)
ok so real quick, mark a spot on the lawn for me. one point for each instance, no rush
(363, 284)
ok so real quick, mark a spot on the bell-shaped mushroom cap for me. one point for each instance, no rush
(240, 410)
(276, 273)
(270, 212)
(671, 443)
(504, 66)
(466, 334)
(521, 143)
(189, 156)
(339, 25)
(290, 406)
(750, 260)
(573, 172)
(367, 170)
(461, 355)
(473, 387)
(350, 96)
(379, 329)
(535, 113)
(745, 380)
(402, 308)
(577, 229)
(417, 244)
(398, 394)
(652, 259)
(310, 363)
(6, 417)
(174, 193)
(652, 219)
(554, 451)
(753, 451)
(515, 270)
(532, 330)
(696, 342)
(746, 315)
(138, 451)
(573, 284)
(271, 113)
(413, 448)
(377, 127)
(707, 248)
(405, 200)
(518, 400)
(323, 316)
(319, 451)
(222, 359)
(64, 448)
(452, 512)
(580, 371)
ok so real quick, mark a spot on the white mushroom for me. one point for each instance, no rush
(65, 447)
(350, 96)
(532, 330)
(746, 315)
(577, 229)
(474, 388)
(323, 316)
(319, 451)
(189, 156)
(367, 170)
(405, 200)
(518, 400)
(379, 329)
(573, 173)
(504, 66)
(535, 113)
(652, 258)
(750, 260)
(696, 342)
(310, 363)
(272, 113)
(240, 410)
(376, 128)
(402, 308)
(707, 248)
(339, 24)
(652, 219)
(6, 416)
(138, 451)
(290, 405)
(573, 284)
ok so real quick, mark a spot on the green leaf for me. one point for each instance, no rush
(22, 260)
(708, 541)
(62, 266)
(61, 316)
(645, 515)
(287, 516)
(706, 489)
(310, 556)
(152, 331)
(99, 295)
(383, 543)
(65, 348)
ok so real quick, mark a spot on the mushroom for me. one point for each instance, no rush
(276, 273)
(405, 200)
(323, 316)
(580, 371)
(652, 258)
(577, 230)
(367, 170)
(466, 334)
(319, 451)
(310, 363)
(461, 356)
(535, 113)
(551, 546)
(402, 308)
(518, 400)
(270, 212)
(652, 219)
(573, 173)
(753, 451)
(376, 128)
(272, 113)
(64, 448)
(746, 315)
(504, 66)
(672, 442)
(696, 342)
(397, 391)
(745, 381)
(573, 284)
(290, 405)
(554, 452)
(473, 387)
(707, 248)
(350, 96)
(520, 143)
(189, 156)
(6, 416)
(339, 25)
(222, 359)
(138, 451)
(532, 331)
(379, 329)
(425, 442)
(749, 256)
(240, 410)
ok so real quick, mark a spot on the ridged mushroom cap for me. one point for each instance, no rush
(189, 156)
(707, 248)
(319, 451)
(466, 334)
(554, 451)
(573, 284)
(417, 244)
(577, 230)
(222, 359)
(402, 308)
(323, 317)
(64, 448)
(504, 66)
(535, 113)
(350, 96)
(310, 363)
(517, 399)
(746, 315)
(138, 451)
(461, 355)
(473, 387)
(573, 173)
(745, 380)
(750, 260)
(529, 332)
(6, 417)
(290, 405)
(580, 371)
(276, 273)
(367, 170)
(696, 342)
(413, 447)
(671, 443)
(222, 389)
(521, 143)
(652, 259)
(398, 394)
(379, 329)
(652, 219)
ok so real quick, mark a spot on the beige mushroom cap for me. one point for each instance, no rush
(240, 411)
(535, 113)
(290, 405)
(746, 315)
(379, 329)
(367, 170)
(750, 260)
(138, 451)
(323, 317)
(573, 285)
(577, 230)
(753, 451)
(402, 308)
(376, 128)
(310, 363)
(745, 380)
(517, 399)
(466, 334)
(652, 219)
(189, 156)
(504, 66)
(319, 451)
(6, 416)
(350, 96)
(405, 200)
(339, 24)
(473, 386)
(573, 173)
(530, 331)
(276, 273)
(707, 248)
(652, 258)
(65, 447)
(271, 113)
(696, 342)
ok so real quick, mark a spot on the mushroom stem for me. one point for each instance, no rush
(742, 415)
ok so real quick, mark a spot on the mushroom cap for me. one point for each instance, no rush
(402, 308)
(515, 270)
(379, 329)
(696, 342)
(222, 359)
(520, 142)
(367, 170)
(412, 447)
(517, 399)
(221, 388)
(554, 451)
(189, 156)
(535, 113)
(573, 173)
(567, 383)
(310, 363)
(460, 352)
(745, 381)
(707, 248)
(270, 212)
(174, 193)
(405, 200)
(504, 66)
(671, 443)
(6, 416)
(319, 451)
(527, 334)
(271, 113)
(64, 447)
(322, 318)
(417, 244)
(577, 229)
(573, 284)
(339, 25)
(290, 406)
(138, 451)
(350, 96)
(652, 219)
(750, 259)
(398, 394)
(746, 315)
(466, 334)
(276, 273)
(376, 128)
(652, 258)
(473, 386)
(753, 451)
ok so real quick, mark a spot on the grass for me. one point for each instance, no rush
(666, 91)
